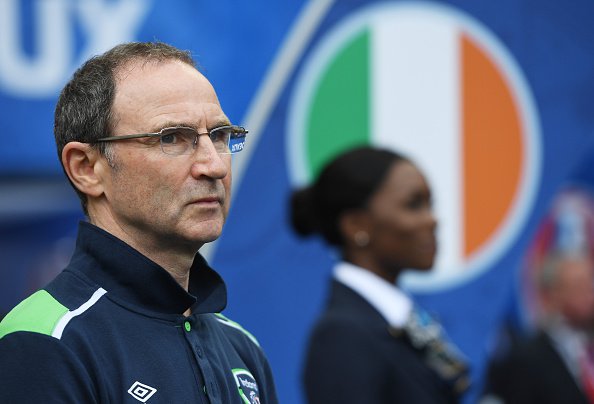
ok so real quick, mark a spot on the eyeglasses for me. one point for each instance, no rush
(184, 140)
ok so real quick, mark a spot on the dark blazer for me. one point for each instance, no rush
(353, 358)
(533, 372)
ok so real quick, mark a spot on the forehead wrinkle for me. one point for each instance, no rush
(171, 105)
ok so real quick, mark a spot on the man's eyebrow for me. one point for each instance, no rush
(174, 124)
(221, 122)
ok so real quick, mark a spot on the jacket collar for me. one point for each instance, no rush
(393, 304)
(129, 276)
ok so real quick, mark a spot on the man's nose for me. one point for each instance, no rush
(207, 161)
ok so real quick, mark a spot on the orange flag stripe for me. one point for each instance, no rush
(492, 144)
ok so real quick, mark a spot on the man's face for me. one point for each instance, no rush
(178, 201)
(575, 292)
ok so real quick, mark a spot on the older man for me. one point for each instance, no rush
(134, 317)
(555, 365)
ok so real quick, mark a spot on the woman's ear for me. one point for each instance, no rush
(81, 163)
(355, 227)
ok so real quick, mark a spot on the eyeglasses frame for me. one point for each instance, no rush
(238, 132)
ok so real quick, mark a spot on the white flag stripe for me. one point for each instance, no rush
(416, 109)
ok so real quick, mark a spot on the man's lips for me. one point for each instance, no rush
(208, 200)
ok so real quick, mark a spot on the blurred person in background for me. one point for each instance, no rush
(372, 344)
(556, 364)
(135, 315)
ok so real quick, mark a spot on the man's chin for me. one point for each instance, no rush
(205, 233)
(207, 240)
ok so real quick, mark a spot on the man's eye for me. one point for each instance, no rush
(170, 138)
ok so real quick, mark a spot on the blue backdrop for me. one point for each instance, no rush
(257, 55)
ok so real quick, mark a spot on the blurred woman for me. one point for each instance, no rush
(371, 344)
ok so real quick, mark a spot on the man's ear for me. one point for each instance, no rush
(82, 164)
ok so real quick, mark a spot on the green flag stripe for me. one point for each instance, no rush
(39, 313)
(339, 112)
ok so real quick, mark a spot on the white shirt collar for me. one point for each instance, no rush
(386, 298)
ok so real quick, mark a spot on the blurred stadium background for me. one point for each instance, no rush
(493, 99)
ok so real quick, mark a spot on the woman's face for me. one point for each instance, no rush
(402, 225)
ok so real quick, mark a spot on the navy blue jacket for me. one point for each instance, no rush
(354, 358)
(533, 372)
(110, 329)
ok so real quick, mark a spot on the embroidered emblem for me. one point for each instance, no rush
(141, 392)
(247, 386)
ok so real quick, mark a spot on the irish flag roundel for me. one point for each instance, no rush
(436, 85)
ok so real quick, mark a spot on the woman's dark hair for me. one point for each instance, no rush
(346, 183)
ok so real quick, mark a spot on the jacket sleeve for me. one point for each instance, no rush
(261, 369)
(269, 396)
(37, 368)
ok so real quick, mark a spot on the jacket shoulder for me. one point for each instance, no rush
(232, 324)
(39, 313)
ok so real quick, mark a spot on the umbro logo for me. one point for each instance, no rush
(141, 392)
